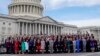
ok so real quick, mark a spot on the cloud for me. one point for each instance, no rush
(54, 4)
(86, 22)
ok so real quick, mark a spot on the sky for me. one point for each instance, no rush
(75, 12)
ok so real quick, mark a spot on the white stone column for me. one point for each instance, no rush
(42, 29)
(28, 7)
(16, 11)
(51, 29)
(56, 30)
(14, 8)
(26, 28)
(40, 11)
(39, 28)
(19, 28)
(11, 11)
(31, 9)
(20, 9)
(30, 29)
(98, 33)
(36, 10)
(35, 28)
(45, 29)
(22, 28)
(24, 8)
(60, 30)
(48, 30)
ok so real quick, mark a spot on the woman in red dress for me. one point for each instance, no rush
(16, 46)
(38, 45)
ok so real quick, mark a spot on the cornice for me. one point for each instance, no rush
(19, 19)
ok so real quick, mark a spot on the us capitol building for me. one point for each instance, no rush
(26, 18)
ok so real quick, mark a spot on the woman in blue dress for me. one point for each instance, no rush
(77, 45)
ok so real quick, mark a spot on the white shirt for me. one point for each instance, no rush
(74, 43)
(26, 46)
(42, 44)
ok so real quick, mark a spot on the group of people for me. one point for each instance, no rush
(50, 44)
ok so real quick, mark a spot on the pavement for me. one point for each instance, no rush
(60, 54)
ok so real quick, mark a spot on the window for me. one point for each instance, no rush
(9, 30)
(9, 24)
(3, 30)
(3, 23)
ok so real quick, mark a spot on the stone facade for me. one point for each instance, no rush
(69, 29)
(22, 26)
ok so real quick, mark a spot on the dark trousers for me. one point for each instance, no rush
(31, 49)
(47, 49)
(55, 49)
(8, 50)
(59, 49)
(62, 48)
(96, 49)
(34, 49)
(88, 49)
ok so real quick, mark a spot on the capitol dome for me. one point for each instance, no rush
(26, 8)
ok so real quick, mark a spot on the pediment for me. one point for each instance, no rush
(47, 19)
